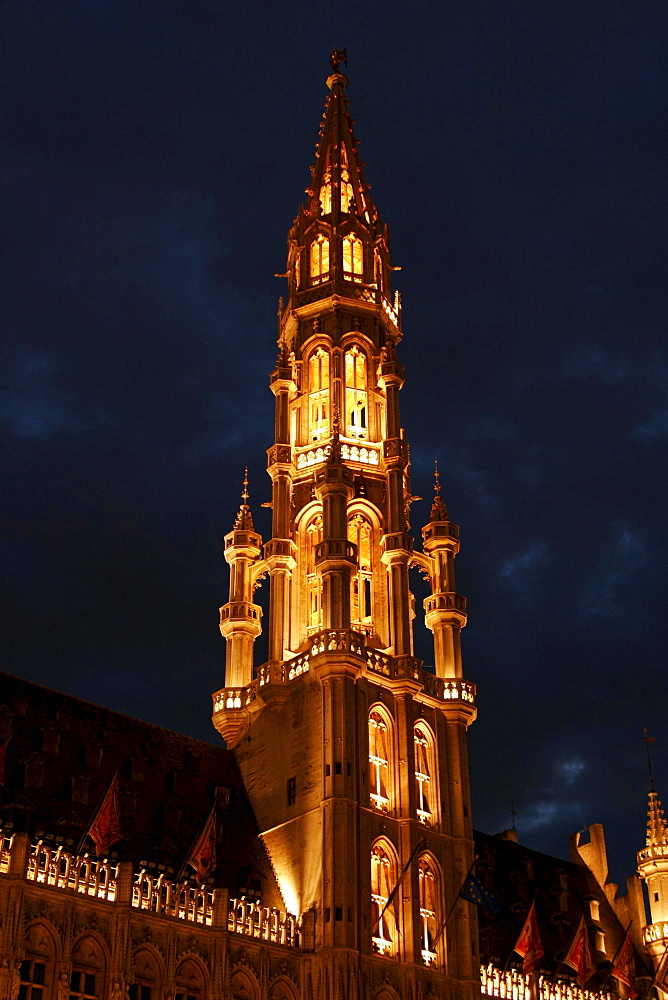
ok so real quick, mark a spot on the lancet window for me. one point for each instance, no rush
(356, 394)
(359, 532)
(380, 760)
(424, 774)
(429, 914)
(319, 259)
(313, 581)
(326, 193)
(383, 880)
(319, 395)
(353, 258)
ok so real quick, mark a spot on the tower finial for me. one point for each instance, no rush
(647, 739)
(439, 512)
(338, 56)
(244, 519)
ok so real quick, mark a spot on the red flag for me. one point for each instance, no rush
(578, 955)
(105, 829)
(203, 855)
(529, 945)
(623, 966)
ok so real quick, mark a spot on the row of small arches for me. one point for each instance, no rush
(90, 974)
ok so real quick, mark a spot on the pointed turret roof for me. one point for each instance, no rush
(338, 187)
(657, 828)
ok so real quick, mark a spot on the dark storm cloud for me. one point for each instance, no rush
(154, 155)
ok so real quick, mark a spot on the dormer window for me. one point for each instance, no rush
(353, 258)
(319, 260)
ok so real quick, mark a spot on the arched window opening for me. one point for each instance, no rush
(326, 193)
(383, 924)
(189, 981)
(37, 968)
(428, 911)
(356, 394)
(380, 761)
(359, 532)
(146, 977)
(243, 985)
(347, 194)
(87, 975)
(313, 581)
(319, 395)
(353, 258)
(424, 759)
(319, 259)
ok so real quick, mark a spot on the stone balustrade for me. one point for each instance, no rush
(185, 902)
(253, 920)
(655, 932)
(444, 689)
(82, 874)
(513, 984)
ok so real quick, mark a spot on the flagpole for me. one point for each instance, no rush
(452, 908)
(420, 843)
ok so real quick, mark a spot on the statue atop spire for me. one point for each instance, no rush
(439, 512)
(244, 519)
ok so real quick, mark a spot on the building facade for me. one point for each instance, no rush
(342, 802)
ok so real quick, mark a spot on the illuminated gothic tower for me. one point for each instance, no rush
(353, 755)
(653, 869)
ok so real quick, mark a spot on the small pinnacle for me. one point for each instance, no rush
(244, 518)
(439, 512)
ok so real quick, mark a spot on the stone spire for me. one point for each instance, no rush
(338, 187)
(657, 828)
(244, 519)
(439, 512)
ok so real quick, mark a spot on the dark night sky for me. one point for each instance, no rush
(153, 156)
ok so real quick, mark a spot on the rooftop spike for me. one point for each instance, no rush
(439, 512)
(244, 519)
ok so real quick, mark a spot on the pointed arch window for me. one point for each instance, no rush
(359, 532)
(347, 193)
(383, 880)
(319, 395)
(319, 259)
(353, 258)
(313, 581)
(326, 193)
(424, 774)
(429, 912)
(356, 394)
(381, 749)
